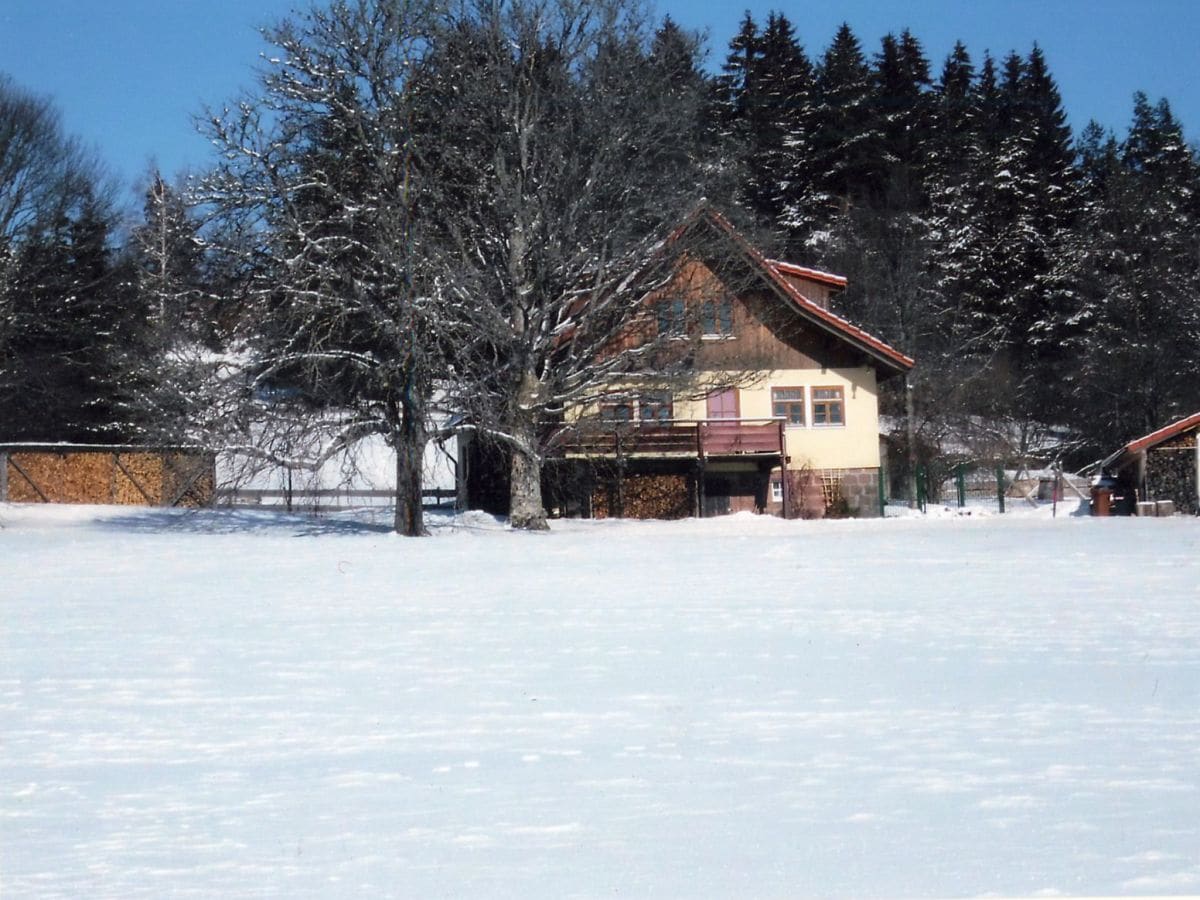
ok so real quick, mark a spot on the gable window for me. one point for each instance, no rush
(671, 316)
(787, 403)
(655, 406)
(716, 316)
(828, 406)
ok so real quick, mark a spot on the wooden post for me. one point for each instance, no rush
(910, 434)
(3, 477)
(619, 512)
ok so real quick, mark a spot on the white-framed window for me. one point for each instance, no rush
(828, 406)
(776, 490)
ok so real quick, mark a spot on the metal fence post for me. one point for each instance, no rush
(882, 496)
(1000, 485)
(960, 480)
(922, 489)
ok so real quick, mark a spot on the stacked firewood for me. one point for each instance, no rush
(128, 477)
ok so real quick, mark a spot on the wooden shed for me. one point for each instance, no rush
(1161, 468)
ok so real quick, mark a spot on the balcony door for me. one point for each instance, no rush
(720, 432)
(723, 404)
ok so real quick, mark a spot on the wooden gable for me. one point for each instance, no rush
(769, 332)
(784, 327)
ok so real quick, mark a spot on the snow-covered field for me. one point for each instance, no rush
(234, 704)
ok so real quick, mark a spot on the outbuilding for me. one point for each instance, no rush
(1160, 472)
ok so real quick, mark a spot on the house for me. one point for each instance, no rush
(780, 414)
(1160, 468)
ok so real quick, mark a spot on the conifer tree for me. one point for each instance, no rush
(904, 110)
(846, 140)
(1138, 256)
(780, 138)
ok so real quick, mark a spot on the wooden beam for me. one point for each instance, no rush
(37, 490)
(120, 465)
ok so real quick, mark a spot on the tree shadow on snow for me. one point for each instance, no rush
(250, 521)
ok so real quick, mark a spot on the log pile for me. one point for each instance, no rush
(121, 476)
(646, 496)
(1171, 472)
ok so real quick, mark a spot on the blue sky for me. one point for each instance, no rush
(129, 75)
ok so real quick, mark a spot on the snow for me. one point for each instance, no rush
(369, 465)
(237, 703)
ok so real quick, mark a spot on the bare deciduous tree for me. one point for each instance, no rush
(566, 155)
(314, 198)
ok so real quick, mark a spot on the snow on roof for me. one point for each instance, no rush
(788, 268)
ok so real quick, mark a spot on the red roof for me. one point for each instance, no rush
(829, 278)
(1152, 439)
(815, 313)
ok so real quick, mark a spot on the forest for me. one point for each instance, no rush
(415, 210)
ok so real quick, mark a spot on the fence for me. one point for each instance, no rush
(993, 486)
(328, 499)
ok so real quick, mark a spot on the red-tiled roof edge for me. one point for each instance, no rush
(829, 278)
(836, 322)
(1156, 437)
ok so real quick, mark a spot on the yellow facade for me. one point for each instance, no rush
(853, 444)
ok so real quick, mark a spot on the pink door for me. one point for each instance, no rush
(722, 437)
(723, 404)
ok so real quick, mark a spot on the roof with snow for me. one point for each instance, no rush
(828, 278)
(890, 360)
(1129, 452)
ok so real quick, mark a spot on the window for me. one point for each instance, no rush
(788, 404)
(616, 410)
(828, 406)
(717, 317)
(671, 316)
(652, 406)
(655, 406)
(776, 490)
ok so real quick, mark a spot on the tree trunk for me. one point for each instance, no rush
(409, 439)
(525, 499)
(525, 493)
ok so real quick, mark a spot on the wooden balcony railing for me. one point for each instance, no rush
(676, 438)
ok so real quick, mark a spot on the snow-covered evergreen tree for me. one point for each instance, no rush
(1139, 268)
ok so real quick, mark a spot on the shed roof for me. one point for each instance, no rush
(1125, 455)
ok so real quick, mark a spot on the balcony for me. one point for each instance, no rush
(676, 438)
